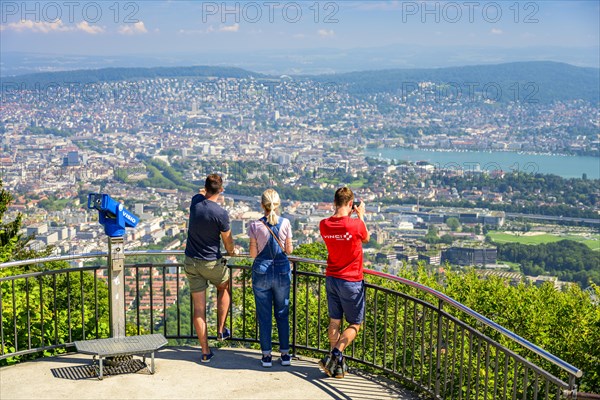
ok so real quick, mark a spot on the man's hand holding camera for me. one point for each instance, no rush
(358, 206)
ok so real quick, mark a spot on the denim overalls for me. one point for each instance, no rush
(271, 278)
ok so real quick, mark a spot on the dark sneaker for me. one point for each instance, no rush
(340, 369)
(267, 361)
(328, 364)
(286, 360)
(206, 357)
(226, 334)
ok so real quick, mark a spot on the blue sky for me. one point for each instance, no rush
(187, 27)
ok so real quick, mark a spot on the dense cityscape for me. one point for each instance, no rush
(151, 142)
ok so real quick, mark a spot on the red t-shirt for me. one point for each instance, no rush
(343, 237)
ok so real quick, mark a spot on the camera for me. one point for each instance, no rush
(356, 203)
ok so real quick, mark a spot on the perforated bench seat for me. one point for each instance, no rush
(122, 346)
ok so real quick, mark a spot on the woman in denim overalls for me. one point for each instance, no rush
(270, 242)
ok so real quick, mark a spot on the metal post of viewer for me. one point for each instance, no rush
(116, 261)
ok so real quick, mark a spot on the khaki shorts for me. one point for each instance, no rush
(200, 272)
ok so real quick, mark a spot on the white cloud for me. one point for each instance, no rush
(133, 29)
(299, 36)
(325, 32)
(51, 27)
(495, 31)
(91, 29)
(230, 28)
(37, 27)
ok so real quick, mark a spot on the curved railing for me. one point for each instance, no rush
(423, 339)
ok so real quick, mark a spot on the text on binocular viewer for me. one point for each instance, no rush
(271, 11)
(469, 11)
(69, 11)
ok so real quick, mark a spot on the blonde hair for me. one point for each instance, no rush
(270, 202)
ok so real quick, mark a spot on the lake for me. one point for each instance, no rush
(565, 166)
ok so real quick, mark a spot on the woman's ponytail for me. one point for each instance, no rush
(270, 202)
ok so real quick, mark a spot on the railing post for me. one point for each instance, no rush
(116, 278)
(295, 306)
(439, 348)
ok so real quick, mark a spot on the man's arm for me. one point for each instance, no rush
(368, 235)
(360, 211)
(228, 242)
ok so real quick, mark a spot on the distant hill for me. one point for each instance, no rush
(82, 77)
(542, 80)
(538, 81)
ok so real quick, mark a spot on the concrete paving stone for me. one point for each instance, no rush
(233, 373)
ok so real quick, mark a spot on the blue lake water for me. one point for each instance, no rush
(565, 166)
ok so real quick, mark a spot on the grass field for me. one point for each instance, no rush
(356, 184)
(501, 237)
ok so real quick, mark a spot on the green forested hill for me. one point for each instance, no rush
(31, 81)
(532, 81)
(544, 80)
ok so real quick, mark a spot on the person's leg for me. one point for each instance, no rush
(333, 332)
(281, 300)
(352, 298)
(217, 273)
(263, 298)
(335, 311)
(347, 337)
(223, 302)
(198, 285)
(199, 300)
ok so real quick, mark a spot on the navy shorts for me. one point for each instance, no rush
(345, 298)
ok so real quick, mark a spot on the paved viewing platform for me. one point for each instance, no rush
(234, 373)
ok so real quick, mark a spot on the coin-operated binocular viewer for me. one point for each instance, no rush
(115, 218)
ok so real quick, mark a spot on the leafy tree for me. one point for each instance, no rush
(453, 224)
(432, 235)
(446, 239)
(569, 260)
(12, 244)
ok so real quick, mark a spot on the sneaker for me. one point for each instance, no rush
(206, 357)
(226, 334)
(328, 364)
(266, 361)
(340, 369)
(286, 360)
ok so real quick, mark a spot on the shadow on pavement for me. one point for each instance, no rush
(357, 384)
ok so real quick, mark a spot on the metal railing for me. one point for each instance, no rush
(424, 339)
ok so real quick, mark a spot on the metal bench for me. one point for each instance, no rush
(122, 346)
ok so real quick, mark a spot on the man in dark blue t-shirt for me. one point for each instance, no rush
(208, 224)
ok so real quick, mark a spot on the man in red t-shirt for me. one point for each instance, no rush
(343, 237)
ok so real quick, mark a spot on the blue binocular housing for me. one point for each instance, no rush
(113, 216)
